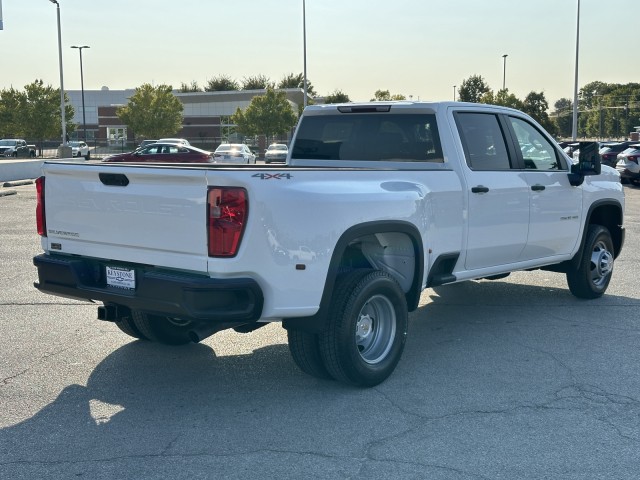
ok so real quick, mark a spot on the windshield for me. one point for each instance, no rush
(7, 143)
(277, 147)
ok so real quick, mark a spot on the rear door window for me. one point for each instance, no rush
(483, 141)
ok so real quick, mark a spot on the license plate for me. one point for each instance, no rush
(121, 278)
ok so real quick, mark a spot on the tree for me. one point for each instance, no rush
(337, 97)
(385, 96)
(269, 114)
(40, 116)
(221, 83)
(11, 106)
(535, 104)
(258, 82)
(190, 87)
(152, 112)
(472, 89)
(563, 117)
(296, 81)
(34, 113)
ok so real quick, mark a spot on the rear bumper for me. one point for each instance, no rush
(187, 296)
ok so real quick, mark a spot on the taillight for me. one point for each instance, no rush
(633, 158)
(40, 218)
(227, 213)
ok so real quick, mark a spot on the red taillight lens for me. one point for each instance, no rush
(40, 219)
(633, 158)
(228, 209)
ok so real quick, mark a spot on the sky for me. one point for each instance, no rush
(418, 48)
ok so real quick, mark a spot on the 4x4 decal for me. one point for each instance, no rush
(273, 176)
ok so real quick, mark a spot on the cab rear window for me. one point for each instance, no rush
(367, 137)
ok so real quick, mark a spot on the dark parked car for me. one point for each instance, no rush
(164, 153)
(609, 152)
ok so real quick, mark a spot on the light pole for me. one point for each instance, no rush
(84, 118)
(504, 71)
(63, 150)
(574, 129)
(304, 48)
(454, 93)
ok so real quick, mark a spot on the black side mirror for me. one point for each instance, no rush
(588, 163)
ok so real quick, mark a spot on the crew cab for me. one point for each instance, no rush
(377, 202)
(16, 147)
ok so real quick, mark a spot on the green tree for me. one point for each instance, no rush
(536, 105)
(190, 87)
(293, 80)
(257, 82)
(152, 112)
(563, 116)
(385, 96)
(337, 97)
(269, 114)
(40, 116)
(472, 89)
(221, 83)
(11, 106)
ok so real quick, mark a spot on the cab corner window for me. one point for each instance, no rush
(483, 141)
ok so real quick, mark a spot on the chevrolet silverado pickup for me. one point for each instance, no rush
(377, 202)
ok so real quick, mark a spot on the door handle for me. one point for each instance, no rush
(479, 189)
(537, 188)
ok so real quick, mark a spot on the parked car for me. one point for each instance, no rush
(164, 153)
(276, 152)
(179, 141)
(609, 152)
(233, 153)
(629, 166)
(16, 147)
(80, 149)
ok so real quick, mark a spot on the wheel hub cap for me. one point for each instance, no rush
(364, 327)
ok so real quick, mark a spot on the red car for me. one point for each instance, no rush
(163, 153)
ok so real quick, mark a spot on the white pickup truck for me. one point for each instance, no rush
(384, 200)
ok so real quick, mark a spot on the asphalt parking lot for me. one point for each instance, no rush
(510, 379)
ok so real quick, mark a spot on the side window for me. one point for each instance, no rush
(483, 141)
(537, 151)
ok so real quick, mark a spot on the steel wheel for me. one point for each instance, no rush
(601, 264)
(592, 276)
(375, 329)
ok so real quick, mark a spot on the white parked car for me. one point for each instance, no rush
(233, 153)
(80, 149)
(276, 152)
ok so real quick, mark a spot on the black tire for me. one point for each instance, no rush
(127, 326)
(591, 278)
(366, 328)
(635, 182)
(305, 350)
(165, 330)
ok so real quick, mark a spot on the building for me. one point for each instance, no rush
(206, 115)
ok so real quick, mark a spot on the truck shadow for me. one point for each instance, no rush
(146, 400)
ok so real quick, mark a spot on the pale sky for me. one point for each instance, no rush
(419, 48)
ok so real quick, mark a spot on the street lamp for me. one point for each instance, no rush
(574, 129)
(63, 152)
(504, 71)
(454, 93)
(84, 118)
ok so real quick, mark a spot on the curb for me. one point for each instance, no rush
(4, 193)
(17, 183)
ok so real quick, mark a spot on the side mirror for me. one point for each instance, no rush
(588, 163)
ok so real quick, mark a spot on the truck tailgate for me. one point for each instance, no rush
(154, 216)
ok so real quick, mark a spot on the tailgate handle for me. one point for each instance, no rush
(114, 179)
